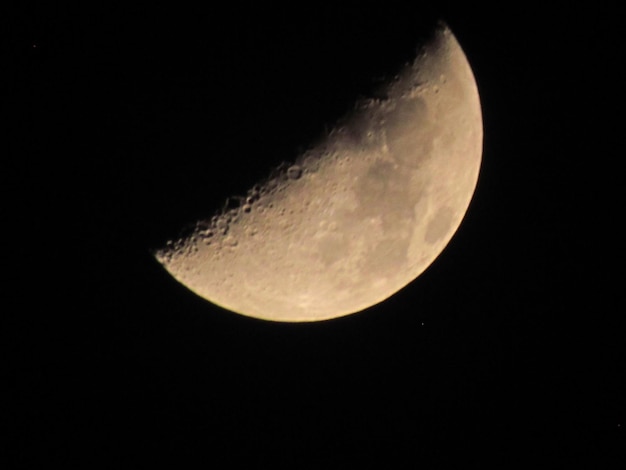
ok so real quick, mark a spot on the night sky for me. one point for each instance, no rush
(122, 124)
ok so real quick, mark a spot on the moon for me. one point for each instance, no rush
(356, 217)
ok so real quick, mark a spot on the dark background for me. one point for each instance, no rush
(123, 123)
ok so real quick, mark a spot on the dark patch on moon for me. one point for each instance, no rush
(372, 186)
(439, 225)
(410, 132)
(332, 249)
(387, 258)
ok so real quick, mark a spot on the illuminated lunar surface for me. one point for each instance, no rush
(356, 217)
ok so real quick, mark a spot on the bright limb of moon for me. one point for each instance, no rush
(358, 216)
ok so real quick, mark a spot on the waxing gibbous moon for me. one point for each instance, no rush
(359, 215)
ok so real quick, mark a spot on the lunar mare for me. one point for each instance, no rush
(358, 216)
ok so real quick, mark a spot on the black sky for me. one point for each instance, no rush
(124, 123)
